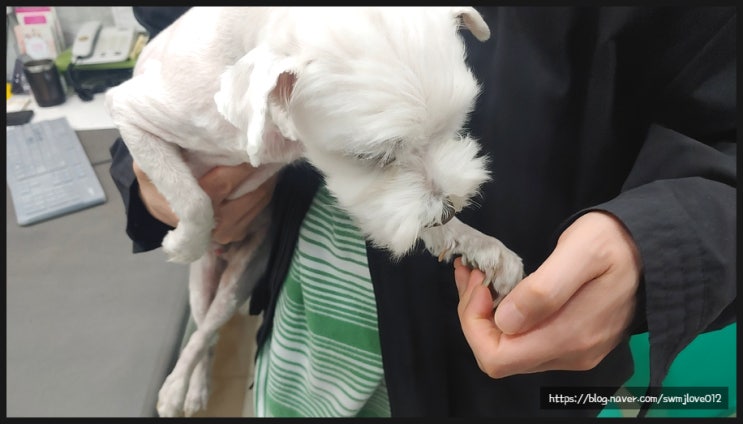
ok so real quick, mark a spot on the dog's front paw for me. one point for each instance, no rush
(443, 248)
(503, 269)
(182, 246)
(171, 396)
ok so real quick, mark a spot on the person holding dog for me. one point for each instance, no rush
(612, 137)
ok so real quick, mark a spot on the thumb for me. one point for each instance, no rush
(573, 262)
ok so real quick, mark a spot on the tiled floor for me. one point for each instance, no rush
(233, 369)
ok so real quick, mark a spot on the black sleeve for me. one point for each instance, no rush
(679, 200)
(155, 19)
(145, 231)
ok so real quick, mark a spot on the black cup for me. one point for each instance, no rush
(45, 82)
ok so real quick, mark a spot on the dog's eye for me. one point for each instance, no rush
(380, 160)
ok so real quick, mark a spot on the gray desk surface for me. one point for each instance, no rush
(91, 328)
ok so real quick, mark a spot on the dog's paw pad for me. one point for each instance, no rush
(442, 252)
(503, 270)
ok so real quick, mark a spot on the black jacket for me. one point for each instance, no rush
(625, 110)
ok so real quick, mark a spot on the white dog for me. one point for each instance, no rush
(374, 98)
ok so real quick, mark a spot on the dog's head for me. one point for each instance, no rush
(376, 99)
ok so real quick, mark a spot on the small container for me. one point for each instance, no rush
(45, 82)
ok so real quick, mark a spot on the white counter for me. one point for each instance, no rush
(82, 115)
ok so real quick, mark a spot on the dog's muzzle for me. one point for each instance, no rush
(446, 215)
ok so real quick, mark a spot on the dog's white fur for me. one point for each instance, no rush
(374, 98)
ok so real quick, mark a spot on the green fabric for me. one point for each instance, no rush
(323, 357)
(710, 360)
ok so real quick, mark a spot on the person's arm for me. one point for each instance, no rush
(149, 217)
(676, 210)
(679, 201)
(145, 231)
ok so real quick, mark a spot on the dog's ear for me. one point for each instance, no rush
(474, 22)
(244, 94)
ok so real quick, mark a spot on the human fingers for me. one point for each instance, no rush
(153, 200)
(576, 338)
(583, 251)
(219, 182)
(476, 318)
(461, 275)
(235, 216)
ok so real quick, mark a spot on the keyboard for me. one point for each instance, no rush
(48, 172)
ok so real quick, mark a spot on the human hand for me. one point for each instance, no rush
(233, 216)
(567, 315)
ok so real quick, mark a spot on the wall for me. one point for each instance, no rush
(71, 17)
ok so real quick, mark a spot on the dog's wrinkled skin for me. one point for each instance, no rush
(374, 98)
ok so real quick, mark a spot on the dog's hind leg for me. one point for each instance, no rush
(199, 386)
(235, 286)
(173, 178)
(203, 282)
(163, 163)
